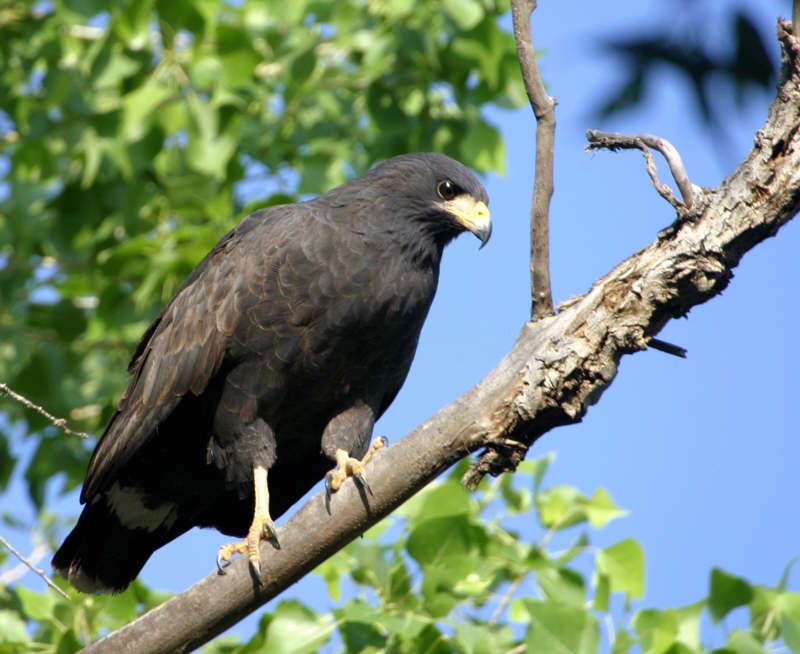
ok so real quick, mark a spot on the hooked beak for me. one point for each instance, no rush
(472, 215)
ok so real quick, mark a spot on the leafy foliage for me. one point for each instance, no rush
(133, 135)
(449, 573)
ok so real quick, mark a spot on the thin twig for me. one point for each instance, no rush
(543, 108)
(61, 423)
(16, 573)
(38, 571)
(641, 142)
(506, 599)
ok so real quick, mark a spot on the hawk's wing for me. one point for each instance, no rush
(186, 344)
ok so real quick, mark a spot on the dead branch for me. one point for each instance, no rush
(643, 142)
(61, 423)
(33, 568)
(558, 367)
(544, 110)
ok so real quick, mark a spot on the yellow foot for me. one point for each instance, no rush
(347, 466)
(262, 528)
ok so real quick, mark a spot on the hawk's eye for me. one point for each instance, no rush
(447, 190)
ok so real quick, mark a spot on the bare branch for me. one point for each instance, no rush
(558, 367)
(12, 575)
(615, 142)
(61, 423)
(543, 108)
(506, 599)
(669, 348)
(796, 18)
(38, 571)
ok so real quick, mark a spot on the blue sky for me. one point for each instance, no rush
(702, 451)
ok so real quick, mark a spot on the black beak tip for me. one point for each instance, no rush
(484, 235)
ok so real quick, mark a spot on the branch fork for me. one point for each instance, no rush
(644, 142)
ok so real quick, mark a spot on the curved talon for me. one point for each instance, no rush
(225, 553)
(255, 566)
(362, 479)
(271, 531)
(348, 466)
(262, 528)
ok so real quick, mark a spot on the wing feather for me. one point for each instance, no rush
(186, 344)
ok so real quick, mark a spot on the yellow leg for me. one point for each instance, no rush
(262, 527)
(347, 466)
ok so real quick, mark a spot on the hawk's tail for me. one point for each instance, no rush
(103, 555)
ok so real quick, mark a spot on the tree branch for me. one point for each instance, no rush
(543, 108)
(61, 423)
(558, 367)
(615, 142)
(29, 564)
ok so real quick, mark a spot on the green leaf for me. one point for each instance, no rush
(330, 573)
(359, 626)
(600, 509)
(763, 608)
(740, 642)
(727, 592)
(560, 507)
(113, 66)
(484, 147)
(69, 643)
(623, 564)
(602, 594)
(657, 630)
(139, 108)
(680, 648)
(447, 543)
(479, 638)
(302, 66)
(785, 575)
(440, 499)
(689, 624)
(36, 606)
(562, 585)
(211, 144)
(120, 609)
(7, 464)
(237, 57)
(790, 632)
(623, 642)
(296, 629)
(537, 468)
(788, 603)
(560, 629)
(464, 13)
(12, 628)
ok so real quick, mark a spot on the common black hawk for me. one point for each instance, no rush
(275, 357)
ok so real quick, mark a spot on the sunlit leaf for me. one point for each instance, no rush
(726, 593)
(623, 564)
(296, 629)
(560, 628)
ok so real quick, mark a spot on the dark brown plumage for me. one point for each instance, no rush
(285, 344)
